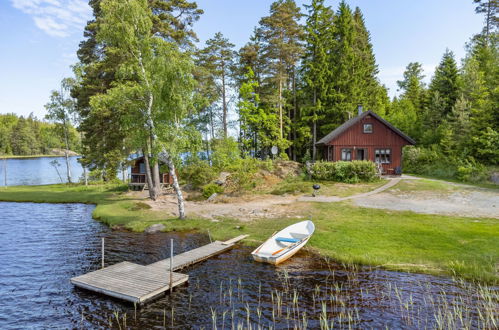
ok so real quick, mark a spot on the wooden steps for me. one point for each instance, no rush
(139, 284)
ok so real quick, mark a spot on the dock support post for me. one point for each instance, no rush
(102, 252)
(171, 265)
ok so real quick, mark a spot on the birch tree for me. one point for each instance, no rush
(154, 87)
(60, 109)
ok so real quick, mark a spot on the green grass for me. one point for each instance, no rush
(488, 184)
(406, 241)
(296, 185)
(27, 156)
(424, 185)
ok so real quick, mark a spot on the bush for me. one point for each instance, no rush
(210, 189)
(225, 153)
(349, 172)
(432, 162)
(198, 173)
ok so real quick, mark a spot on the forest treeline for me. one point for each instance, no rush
(32, 136)
(143, 84)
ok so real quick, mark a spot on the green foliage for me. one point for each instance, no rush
(198, 173)
(349, 172)
(31, 136)
(486, 144)
(225, 153)
(434, 162)
(212, 188)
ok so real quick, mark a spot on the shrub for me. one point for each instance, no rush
(349, 172)
(210, 189)
(225, 153)
(432, 162)
(198, 173)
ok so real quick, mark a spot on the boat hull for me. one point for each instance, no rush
(282, 257)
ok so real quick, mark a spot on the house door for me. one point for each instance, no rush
(361, 154)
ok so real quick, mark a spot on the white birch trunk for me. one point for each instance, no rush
(180, 198)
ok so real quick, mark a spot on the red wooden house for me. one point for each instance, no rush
(138, 174)
(367, 137)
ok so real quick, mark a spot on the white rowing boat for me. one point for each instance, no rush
(284, 244)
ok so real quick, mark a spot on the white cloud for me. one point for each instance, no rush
(58, 18)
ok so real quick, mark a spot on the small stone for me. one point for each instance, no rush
(155, 228)
(238, 227)
(215, 220)
(212, 197)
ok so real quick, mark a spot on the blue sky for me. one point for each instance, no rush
(39, 38)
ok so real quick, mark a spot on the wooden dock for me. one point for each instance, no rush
(139, 284)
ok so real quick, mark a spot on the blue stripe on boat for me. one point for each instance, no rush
(285, 239)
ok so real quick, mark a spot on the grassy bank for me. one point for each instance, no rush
(407, 241)
(31, 156)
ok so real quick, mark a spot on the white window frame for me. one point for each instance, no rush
(345, 151)
(368, 125)
(383, 155)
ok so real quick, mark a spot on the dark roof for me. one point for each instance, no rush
(340, 129)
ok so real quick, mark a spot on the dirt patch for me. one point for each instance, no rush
(243, 208)
(461, 200)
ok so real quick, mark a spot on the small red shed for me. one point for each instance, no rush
(367, 137)
(138, 174)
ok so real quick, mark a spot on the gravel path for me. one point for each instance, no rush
(328, 199)
(462, 200)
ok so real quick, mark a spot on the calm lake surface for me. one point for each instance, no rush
(35, 171)
(44, 245)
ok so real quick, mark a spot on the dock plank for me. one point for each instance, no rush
(138, 283)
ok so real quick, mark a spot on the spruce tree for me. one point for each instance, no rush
(315, 66)
(446, 82)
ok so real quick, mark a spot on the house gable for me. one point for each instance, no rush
(352, 133)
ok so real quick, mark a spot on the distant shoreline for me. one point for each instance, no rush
(33, 156)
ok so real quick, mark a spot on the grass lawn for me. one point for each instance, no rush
(300, 186)
(465, 247)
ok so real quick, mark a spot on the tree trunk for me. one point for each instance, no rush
(180, 198)
(85, 178)
(156, 180)
(149, 180)
(66, 139)
(314, 128)
(224, 102)
(294, 115)
(212, 128)
(280, 108)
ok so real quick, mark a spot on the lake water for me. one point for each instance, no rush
(44, 245)
(36, 171)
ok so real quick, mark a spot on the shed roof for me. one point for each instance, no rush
(349, 123)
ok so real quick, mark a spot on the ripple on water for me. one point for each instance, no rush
(44, 245)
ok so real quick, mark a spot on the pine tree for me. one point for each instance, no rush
(282, 35)
(217, 58)
(490, 8)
